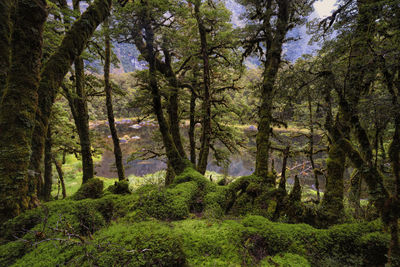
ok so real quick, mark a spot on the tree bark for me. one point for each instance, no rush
(272, 62)
(311, 144)
(206, 106)
(60, 176)
(17, 112)
(173, 102)
(110, 112)
(82, 121)
(5, 42)
(48, 170)
(177, 162)
(57, 67)
(192, 128)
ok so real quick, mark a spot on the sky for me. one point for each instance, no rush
(324, 8)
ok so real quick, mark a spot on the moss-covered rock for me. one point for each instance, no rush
(91, 189)
(167, 204)
(251, 195)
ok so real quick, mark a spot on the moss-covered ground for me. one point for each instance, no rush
(186, 224)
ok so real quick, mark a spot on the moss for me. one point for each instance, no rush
(374, 248)
(170, 204)
(140, 244)
(212, 244)
(91, 189)
(11, 251)
(285, 260)
(340, 245)
(215, 202)
(332, 208)
(189, 175)
(120, 187)
(251, 195)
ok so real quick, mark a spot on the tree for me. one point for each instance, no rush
(20, 97)
(265, 36)
(55, 69)
(18, 105)
(110, 112)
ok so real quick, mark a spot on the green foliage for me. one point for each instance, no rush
(91, 189)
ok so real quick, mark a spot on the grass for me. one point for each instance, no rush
(73, 176)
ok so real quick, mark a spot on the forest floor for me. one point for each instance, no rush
(182, 225)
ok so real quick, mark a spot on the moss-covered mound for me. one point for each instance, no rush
(155, 226)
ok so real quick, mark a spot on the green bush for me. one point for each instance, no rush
(91, 189)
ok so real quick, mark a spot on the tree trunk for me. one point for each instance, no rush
(57, 67)
(48, 170)
(110, 112)
(173, 101)
(177, 162)
(394, 155)
(332, 203)
(273, 59)
(17, 112)
(5, 42)
(82, 121)
(170, 175)
(282, 183)
(355, 192)
(311, 143)
(192, 128)
(206, 106)
(60, 176)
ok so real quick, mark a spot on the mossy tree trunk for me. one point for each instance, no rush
(332, 202)
(177, 162)
(206, 97)
(19, 103)
(273, 58)
(176, 156)
(81, 116)
(60, 176)
(58, 66)
(311, 146)
(355, 192)
(5, 42)
(173, 101)
(48, 170)
(394, 156)
(110, 111)
(192, 128)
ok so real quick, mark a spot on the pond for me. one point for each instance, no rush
(135, 137)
